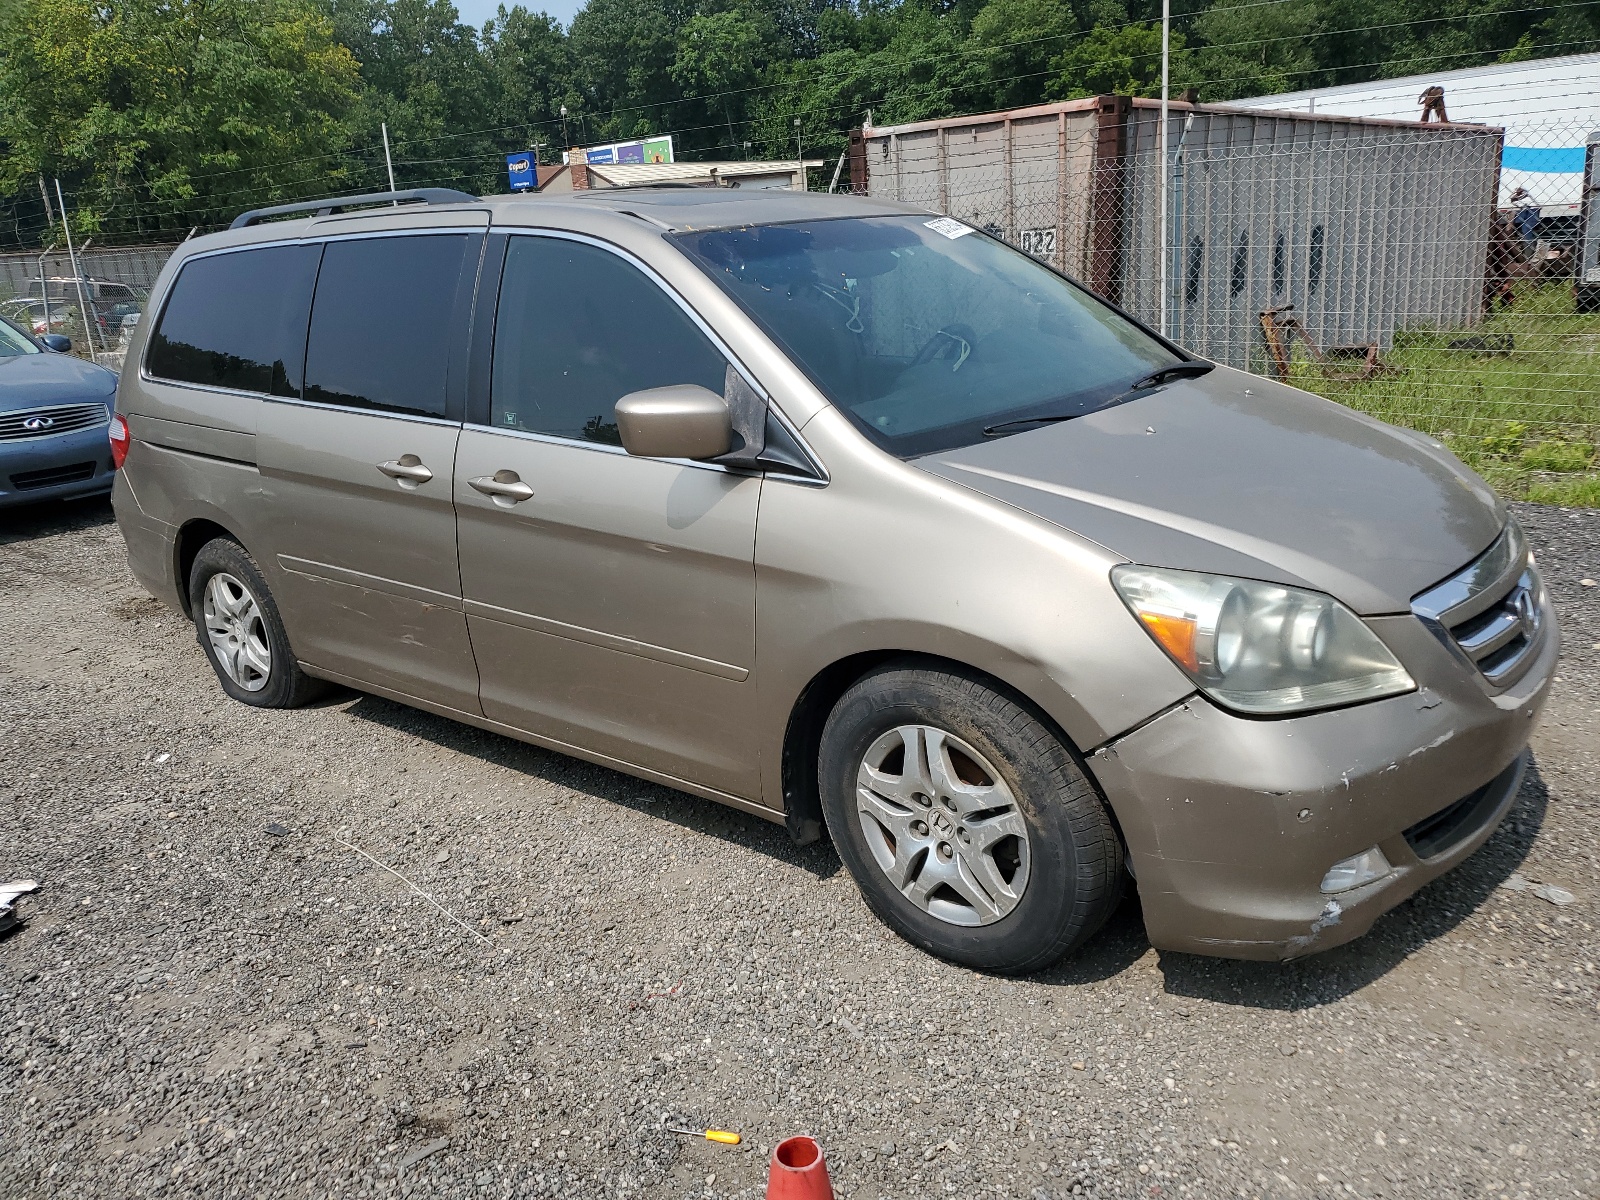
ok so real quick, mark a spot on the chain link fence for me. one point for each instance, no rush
(1424, 273)
(43, 294)
(1397, 267)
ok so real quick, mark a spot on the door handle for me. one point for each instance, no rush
(505, 488)
(407, 471)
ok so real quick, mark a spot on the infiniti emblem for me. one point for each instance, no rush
(1527, 612)
(38, 423)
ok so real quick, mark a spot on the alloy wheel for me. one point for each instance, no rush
(237, 633)
(943, 825)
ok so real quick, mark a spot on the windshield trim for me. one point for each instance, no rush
(679, 239)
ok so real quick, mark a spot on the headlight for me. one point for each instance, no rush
(1259, 647)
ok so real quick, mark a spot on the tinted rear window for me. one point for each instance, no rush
(381, 323)
(237, 320)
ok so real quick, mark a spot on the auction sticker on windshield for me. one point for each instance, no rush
(950, 227)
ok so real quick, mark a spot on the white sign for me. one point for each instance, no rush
(1041, 243)
(949, 226)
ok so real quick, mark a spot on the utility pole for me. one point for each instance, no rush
(1161, 149)
(44, 281)
(44, 287)
(77, 277)
(565, 143)
(387, 161)
(800, 156)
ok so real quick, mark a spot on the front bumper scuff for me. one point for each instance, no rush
(1231, 823)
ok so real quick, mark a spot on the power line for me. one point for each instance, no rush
(964, 51)
(357, 165)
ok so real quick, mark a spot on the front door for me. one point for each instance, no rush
(358, 472)
(611, 599)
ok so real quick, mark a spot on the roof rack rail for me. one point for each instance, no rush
(335, 204)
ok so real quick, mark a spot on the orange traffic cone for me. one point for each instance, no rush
(798, 1171)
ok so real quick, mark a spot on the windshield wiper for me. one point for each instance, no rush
(1183, 370)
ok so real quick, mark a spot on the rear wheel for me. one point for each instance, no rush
(969, 827)
(238, 626)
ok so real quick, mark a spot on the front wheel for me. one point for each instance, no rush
(238, 626)
(969, 827)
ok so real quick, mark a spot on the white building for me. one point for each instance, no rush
(790, 174)
(1548, 107)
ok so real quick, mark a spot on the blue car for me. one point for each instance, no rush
(54, 413)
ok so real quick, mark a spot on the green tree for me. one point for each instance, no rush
(424, 75)
(1122, 61)
(1248, 49)
(1016, 40)
(720, 57)
(622, 55)
(162, 116)
(530, 66)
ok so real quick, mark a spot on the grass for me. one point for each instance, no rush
(1519, 403)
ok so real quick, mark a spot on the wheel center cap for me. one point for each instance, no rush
(942, 824)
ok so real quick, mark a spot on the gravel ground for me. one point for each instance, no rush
(219, 993)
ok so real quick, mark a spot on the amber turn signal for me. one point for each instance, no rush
(1176, 635)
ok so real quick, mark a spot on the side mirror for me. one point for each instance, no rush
(59, 342)
(682, 421)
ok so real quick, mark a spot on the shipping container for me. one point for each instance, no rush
(1364, 226)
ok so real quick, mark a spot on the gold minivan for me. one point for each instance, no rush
(853, 517)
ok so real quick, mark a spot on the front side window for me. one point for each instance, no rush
(237, 320)
(577, 329)
(925, 332)
(381, 324)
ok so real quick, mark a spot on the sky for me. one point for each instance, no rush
(476, 12)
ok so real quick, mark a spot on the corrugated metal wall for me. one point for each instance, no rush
(1025, 177)
(1365, 227)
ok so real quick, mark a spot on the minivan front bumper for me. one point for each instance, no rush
(1232, 823)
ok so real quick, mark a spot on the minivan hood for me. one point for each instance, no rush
(32, 380)
(1237, 475)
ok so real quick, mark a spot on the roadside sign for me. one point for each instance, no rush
(520, 168)
(650, 150)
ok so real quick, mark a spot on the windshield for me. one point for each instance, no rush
(925, 331)
(14, 342)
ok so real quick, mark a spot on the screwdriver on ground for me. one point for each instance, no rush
(710, 1135)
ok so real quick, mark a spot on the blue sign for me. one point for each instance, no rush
(520, 168)
(1552, 159)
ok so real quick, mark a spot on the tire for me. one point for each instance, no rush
(1015, 862)
(237, 624)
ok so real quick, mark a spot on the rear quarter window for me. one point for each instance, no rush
(237, 320)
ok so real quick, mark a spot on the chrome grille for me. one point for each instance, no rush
(51, 420)
(1492, 612)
